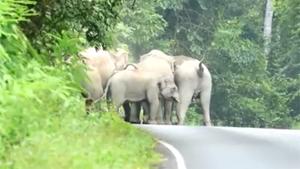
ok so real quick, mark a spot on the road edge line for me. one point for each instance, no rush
(176, 153)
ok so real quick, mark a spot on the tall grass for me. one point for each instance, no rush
(106, 143)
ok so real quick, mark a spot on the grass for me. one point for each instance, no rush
(92, 142)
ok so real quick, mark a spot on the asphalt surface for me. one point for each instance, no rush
(231, 148)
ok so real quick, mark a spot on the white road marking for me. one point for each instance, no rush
(176, 153)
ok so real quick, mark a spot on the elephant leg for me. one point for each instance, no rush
(134, 113)
(182, 107)
(118, 102)
(146, 111)
(118, 108)
(126, 108)
(160, 112)
(205, 103)
(168, 111)
(153, 99)
(154, 108)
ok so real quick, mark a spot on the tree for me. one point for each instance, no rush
(142, 27)
(94, 18)
(249, 70)
(268, 26)
(284, 60)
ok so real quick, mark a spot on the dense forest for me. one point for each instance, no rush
(251, 48)
(251, 87)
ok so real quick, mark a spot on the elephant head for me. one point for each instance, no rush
(120, 58)
(168, 89)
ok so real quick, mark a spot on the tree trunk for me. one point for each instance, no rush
(268, 26)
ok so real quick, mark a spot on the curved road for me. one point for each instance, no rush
(231, 148)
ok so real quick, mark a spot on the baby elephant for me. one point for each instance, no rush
(137, 85)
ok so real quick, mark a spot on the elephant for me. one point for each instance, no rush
(193, 80)
(192, 77)
(157, 54)
(160, 64)
(100, 66)
(137, 85)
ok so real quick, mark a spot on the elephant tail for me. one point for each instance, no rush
(107, 93)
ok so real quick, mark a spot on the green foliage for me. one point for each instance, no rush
(63, 46)
(248, 94)
(42, 120)
(251, 103)
(32, 93)
(93, 142)
(13, 42)
(230, 51)
(285, 56)
(93, 18)
(284, 60)
(141, 26)
(242, 86)
(193, 116)
(249, 88)
(29, 102)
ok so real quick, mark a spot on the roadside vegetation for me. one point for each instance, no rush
(42, 115)
(79, 142)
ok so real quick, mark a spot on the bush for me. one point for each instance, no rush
(42, 122)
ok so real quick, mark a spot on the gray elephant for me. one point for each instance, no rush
(139, 85)
(192, 77)
(160, 64)
(100, 65)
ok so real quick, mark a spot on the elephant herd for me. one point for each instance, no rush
(157, 83)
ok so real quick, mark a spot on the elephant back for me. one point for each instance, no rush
(157, 61)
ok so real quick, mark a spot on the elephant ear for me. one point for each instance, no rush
(200, 69)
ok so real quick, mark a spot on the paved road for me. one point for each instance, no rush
(232, 148)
